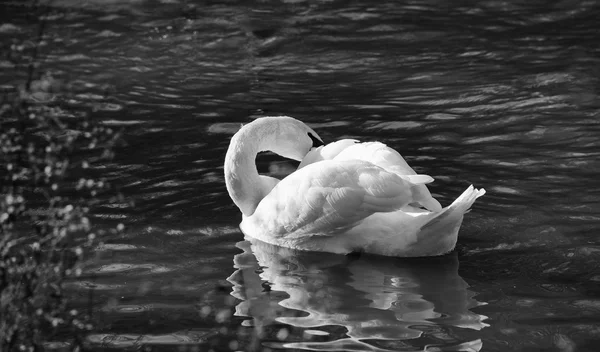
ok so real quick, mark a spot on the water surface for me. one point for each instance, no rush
(499, 94)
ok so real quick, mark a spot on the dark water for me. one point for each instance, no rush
(500, 94)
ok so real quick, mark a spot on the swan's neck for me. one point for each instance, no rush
(244, 184)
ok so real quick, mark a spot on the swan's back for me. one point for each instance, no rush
(378, 154)
(390, 160)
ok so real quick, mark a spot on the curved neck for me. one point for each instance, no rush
(245, 186)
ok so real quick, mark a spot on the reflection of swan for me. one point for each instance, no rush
(372, 297)
(344, 197)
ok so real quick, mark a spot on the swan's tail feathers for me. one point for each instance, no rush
(440, 234)
(418, 179)
(466, 199)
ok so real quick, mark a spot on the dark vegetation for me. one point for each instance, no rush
(48, 150)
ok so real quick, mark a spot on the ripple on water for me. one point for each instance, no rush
(442, 117)
(311, 332)
(57, 345)
(395, 125)
(504, 190)
(73, 57)
(506, 247)
(488, 139)
(94, 285)
(123, 267)
(110, 216)
(138, 308)
(107, 34)
(224, 128)
(116, 247)
(132, 308)
(218, 230)
(107, 18)
(131, 340)
(108, 107)
(373, 106)
(587, 304)
(9, 28)
(545, 79)
(329, 124)
(122, 123)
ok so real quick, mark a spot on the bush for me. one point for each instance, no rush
(44, 225)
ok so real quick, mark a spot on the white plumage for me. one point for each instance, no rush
(345, 196)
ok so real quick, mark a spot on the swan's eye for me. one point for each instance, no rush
(315, 141)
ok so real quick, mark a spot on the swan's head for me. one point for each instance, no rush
(282, 135)
(292, 138)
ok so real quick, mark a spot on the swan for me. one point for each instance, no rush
(344, 197)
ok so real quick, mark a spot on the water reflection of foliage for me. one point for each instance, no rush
(337, 303)
(44, 143)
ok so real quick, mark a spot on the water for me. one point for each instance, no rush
(499, 94)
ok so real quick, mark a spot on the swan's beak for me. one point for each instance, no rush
(316, 142)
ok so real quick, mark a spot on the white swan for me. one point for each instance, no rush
(345, 196)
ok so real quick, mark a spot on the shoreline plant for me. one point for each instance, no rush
(48, 148)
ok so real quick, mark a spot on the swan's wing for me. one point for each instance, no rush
(390, 160)
(329, 196)
(326, 152)
(380, 155)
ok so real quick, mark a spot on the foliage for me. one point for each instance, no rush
(44, 225)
